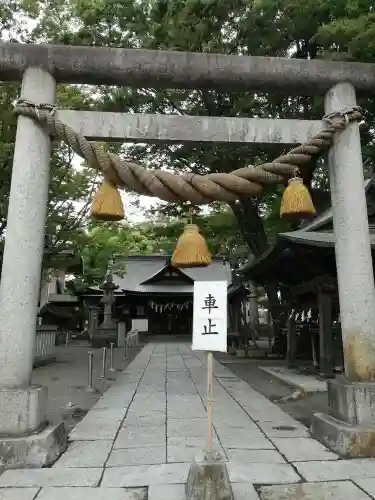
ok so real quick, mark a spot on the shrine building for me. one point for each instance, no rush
(155, 297)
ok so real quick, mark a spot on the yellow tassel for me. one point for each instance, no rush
(107, 203)
(296, 202)
(191, 249)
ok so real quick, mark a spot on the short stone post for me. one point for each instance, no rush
(352, 401)
(121, 334)
(22, 407)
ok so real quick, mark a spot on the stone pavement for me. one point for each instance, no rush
(138, 440)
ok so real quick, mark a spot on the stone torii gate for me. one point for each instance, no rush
(24, 438)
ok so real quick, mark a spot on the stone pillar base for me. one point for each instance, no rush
(22, 411)
(25, 439)
(348, 441)
(349, 429)
(35, 450)
(208, 479)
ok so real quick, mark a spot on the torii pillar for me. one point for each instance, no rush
(349, 429)
(25, 437)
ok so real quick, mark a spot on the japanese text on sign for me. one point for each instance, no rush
(210, 316)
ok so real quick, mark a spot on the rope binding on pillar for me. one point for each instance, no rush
(193, 188)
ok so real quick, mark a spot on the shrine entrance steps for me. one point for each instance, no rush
(139, 439)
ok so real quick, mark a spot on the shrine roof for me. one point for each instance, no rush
(297, 257)
(143, 269)
(316, 238)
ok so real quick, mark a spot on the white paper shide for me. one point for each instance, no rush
(210, 316)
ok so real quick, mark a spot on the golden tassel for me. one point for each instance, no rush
(296, 202)
(107, 203)
(191, 249)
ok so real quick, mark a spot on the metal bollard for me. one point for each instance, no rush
(90, 387)
(111, 368)
(103, 362)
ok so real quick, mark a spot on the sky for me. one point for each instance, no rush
(134, 214)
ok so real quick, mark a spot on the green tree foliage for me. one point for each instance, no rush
(292, 28)
(267, 27)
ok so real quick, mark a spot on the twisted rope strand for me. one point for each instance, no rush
(197, 189)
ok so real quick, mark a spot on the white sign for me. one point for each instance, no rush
(210, 316)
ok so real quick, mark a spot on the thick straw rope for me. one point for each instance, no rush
(197, 189)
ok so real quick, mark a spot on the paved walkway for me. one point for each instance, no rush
(139, 439)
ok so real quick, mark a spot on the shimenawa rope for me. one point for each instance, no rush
(197, 189)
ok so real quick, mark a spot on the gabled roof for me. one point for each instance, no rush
(169, 272)
(142, 274)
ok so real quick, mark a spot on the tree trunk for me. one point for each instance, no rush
(253, 306)
(252, 229)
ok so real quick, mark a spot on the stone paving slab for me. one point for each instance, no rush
(114, 401)
(363, 468)
(186, 412)
(307, 383)
(257, 456)
(244, 491)
(98, 424)
(274, 415)
(302, 449)
(92, 494)
(242, 440)
(241, 491)
(85, 454)
(193, 441)
(259, 473)
(239, 420)
(145, 419)
(282, 430)
(149, 455)
(146, 405)
(187, 453)
(156, 400)
(34, 478)
(139, 437)
(191, 427)
(313, 491)
(167, 492)
(18, 493)
(366, 484)
(147, 475)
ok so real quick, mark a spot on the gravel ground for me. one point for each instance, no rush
(273, 389)
(67, 381)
